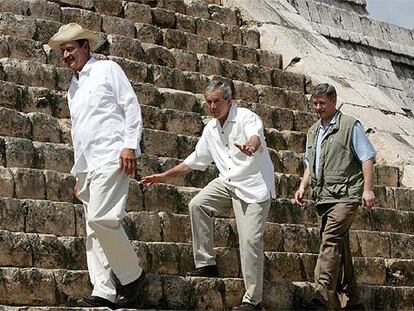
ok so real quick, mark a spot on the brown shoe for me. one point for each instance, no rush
(248, 306)
(95, 301)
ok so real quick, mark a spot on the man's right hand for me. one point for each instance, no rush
(153, 179)
(299, 196)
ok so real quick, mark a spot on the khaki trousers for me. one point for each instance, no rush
(334, 271)
(108, 251)
(213, 200)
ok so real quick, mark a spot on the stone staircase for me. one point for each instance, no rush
(169, 49)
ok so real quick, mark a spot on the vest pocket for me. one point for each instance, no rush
(335, 187)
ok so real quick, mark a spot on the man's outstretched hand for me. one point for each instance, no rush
(248, 150)
(153, 179)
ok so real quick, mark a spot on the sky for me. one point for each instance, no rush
(399, 12)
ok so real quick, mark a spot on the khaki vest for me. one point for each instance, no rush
(340, 172)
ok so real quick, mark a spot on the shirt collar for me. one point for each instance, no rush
(231, 117)
(86, 68)
(332, 122)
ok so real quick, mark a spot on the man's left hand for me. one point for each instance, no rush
(368, 199)
(248, 150)
(127, 161)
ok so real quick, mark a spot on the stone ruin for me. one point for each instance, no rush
(273, 52)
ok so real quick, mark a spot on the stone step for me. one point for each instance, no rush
(46, 287)
(50, 252)
(40, 216)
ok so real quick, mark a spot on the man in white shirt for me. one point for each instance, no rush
(106, 132)
(234, 140)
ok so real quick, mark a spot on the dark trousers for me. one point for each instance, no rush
(334, 271)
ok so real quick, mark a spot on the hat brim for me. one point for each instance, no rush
(57, 40)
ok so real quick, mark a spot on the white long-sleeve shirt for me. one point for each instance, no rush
(250, 178)
(105, 114)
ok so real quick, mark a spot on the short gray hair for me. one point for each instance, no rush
(225, 89)
(324, 89)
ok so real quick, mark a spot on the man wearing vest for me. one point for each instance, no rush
(339, 167)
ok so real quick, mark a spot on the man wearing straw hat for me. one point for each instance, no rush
(106, 131)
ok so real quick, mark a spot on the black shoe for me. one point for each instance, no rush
(206, 271)
(129, 292)
(95, 301)
(314, 304)
(358, 307)
(248, 306)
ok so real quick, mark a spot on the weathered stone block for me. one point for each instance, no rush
(220, 49)
(14, 123)
(152, 117)
(12, 95)
(251, 38)
(75, 252)
(178, 293)
(292, 234)
(27, 286)
(208, 293)
(164, 258)
(283, 119)
(65, 126)
(63, 78)
(146, 226)
(199, 9)
(29, 73)
(224, 15)
(149, 33)
(118, 26)
(269, 59)
(233, 70)
(197, 82)
(57, 157)
(12, 214)
(173, 5)
(50, 218)
(245, 55)
(108, 7)
(159, 143)
(59, 186)
(48, 252)
(399, 272)
(135, 202)
(288, 80)
(45, 29)
(185, 61)
(283, 265)
(402, 245)
(173, 122)
(209, 29)
(175, 228)
(16, 249)
(44, 10)
(6, 183)
(139, 13)
(303, 121)
(370, 244)
(160, 197)
(274, 96)
(259, 75)
(125, 47)
(147, 94)
(296, 141)
(163, 18)
(224, 256)
(87, 19)
(370, 271)
(23, 48)
(45, 127)
(404, 199)
(384, 197)
(208, 65)
(72, 284)
(233, 291)
(185, 23)
(135, 71)
(158, 55)
(197, 44)
(386, 175)
(16, 25)
(168, 77)
(174, 39)
(19, 152)
(185, 145)
(20, 7)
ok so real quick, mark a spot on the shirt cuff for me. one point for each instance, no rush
(130, 144)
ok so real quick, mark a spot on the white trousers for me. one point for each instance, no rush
(104, 193)
(213, 200)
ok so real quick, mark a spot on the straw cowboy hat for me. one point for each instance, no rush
(72, 32)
